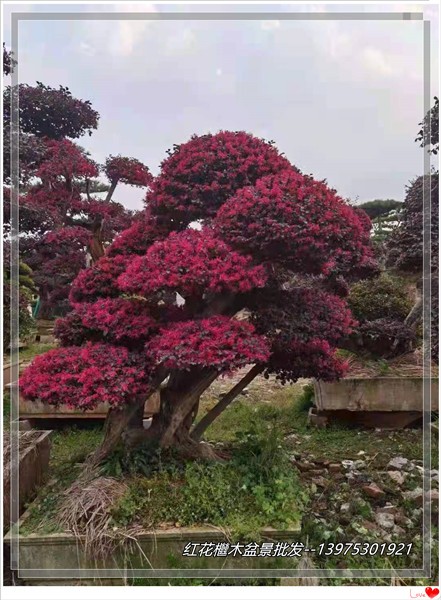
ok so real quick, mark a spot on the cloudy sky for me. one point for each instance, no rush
(342, 99)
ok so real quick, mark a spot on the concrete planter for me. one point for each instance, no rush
(45, 331)
(37, 411)
(33, 466)
(156, 551)
(376, 401)
(7, 372)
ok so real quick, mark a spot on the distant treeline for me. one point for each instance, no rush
(378, 208)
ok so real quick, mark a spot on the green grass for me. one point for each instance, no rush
(70, 448)
(27, 354)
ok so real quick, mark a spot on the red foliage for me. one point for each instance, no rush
(99, 280)
(315, 358)
(216, 343)
(65, 159)
(50, 112)
(297, 221)
(191, 262)
(302, 314)
(70, 331)
(127, 170)
(138, 237)
(118, 319)
(56, 258)
(200, 175)
(82, 377)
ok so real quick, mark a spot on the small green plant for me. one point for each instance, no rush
(256, 488)
(306, 400)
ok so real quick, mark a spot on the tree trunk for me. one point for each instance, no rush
(121, 422)
(181, 405)
(96, 246)
(118, 420)
(212, 414)
(112, 188)
(415, 314)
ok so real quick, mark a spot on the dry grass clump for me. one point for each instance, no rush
(407, 365)
(86, 512)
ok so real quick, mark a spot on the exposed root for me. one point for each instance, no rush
(191, 449)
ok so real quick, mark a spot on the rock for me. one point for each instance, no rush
(359, 464)
(357, 477)
(415, 495)
(348, 464)
(334, 468)
(388, 509)
(398, 531)
(373, 491)
(304, 466)
(397, 476)
(397, 464)
(434, 475)
(320, 482)
(245, 391)
(316, 472)
(345, 508)
(434, 498)
(385, 520)
(401, 519)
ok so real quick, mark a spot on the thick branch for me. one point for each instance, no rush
(186, 405)
(208, 419)
(112, 188)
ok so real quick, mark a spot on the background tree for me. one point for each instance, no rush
(428, 135)
(379, 208)
(405, 249)
(380, 306)
(254, 278)
(62, 220)
(26, 291)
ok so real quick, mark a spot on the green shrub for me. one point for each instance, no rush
(384, 297)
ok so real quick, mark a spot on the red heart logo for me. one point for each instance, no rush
(432, 592)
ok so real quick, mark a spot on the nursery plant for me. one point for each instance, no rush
(407, 251)
(61, 220)
(238, 260)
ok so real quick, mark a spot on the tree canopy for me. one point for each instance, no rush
(261, 281)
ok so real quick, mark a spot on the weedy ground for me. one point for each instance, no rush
(266, 432)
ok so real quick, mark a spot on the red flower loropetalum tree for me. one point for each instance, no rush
(73, 222)
(60, 218)
(254, 282)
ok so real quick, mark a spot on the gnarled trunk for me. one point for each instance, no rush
(118, 421)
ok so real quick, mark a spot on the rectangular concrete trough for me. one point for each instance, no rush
(7, 372)
(34, 452)
(43, 559)
(384, 402)
(39, 410)
(376, 394)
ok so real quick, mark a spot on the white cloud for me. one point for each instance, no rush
(119, 38)
(376, 61)
(87, 49)
(181, 41)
